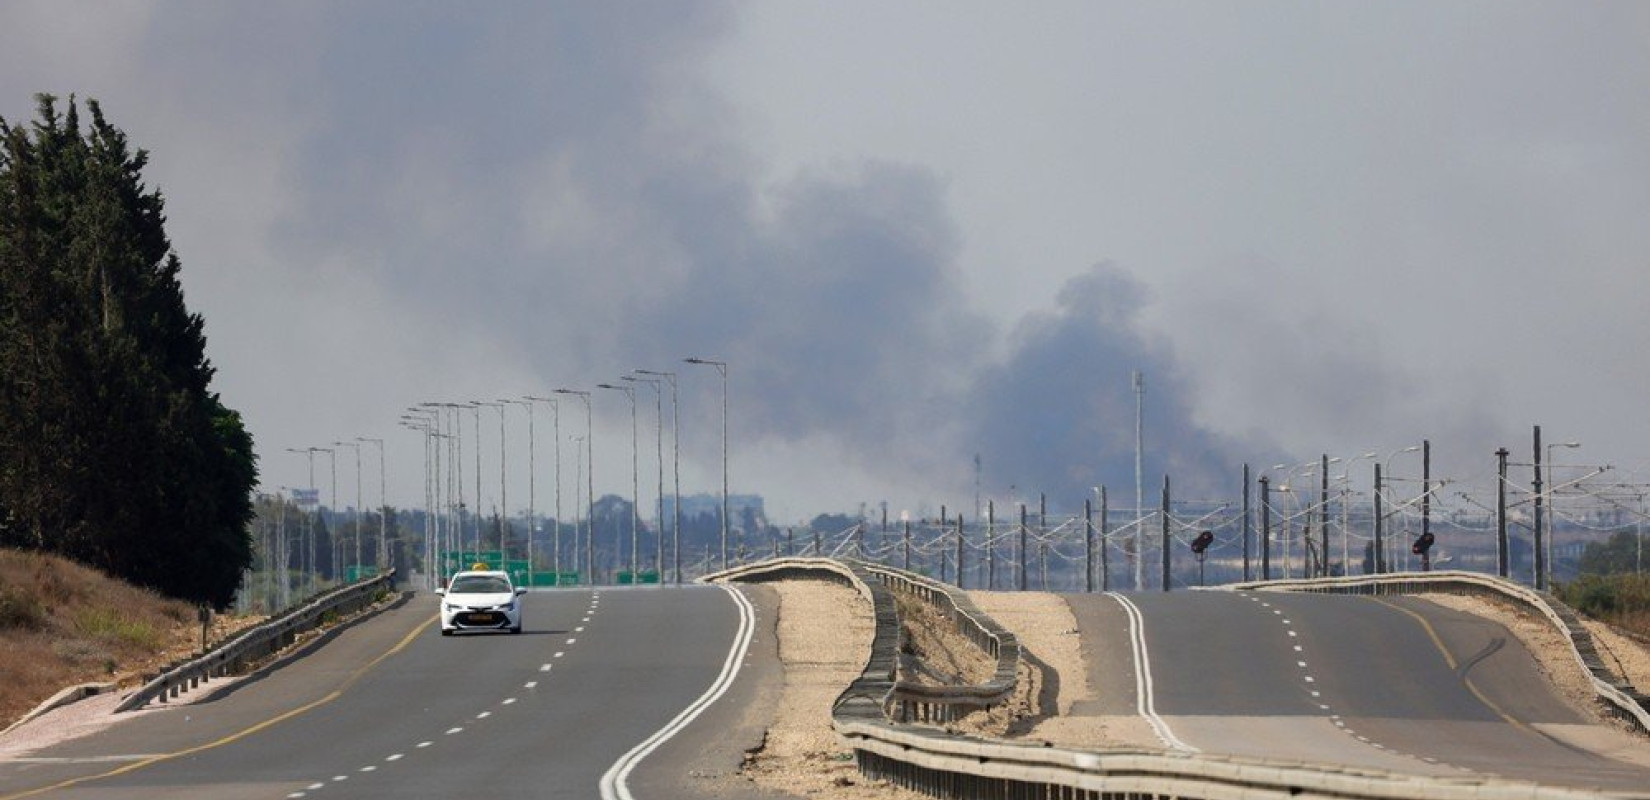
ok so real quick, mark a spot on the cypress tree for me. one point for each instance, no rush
(113, 449)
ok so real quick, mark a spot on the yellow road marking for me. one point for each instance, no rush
(276, 720)
(1448, 659)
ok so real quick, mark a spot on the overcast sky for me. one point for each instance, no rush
(917, 231)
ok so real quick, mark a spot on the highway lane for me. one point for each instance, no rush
(393, 709)
(1390, 683)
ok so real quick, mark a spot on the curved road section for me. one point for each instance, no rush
(630, 693)
(1397, 684)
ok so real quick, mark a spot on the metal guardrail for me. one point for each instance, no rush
(1617, 694)
(254, 644)
(942, 764)
(925, 703)
(905, 701)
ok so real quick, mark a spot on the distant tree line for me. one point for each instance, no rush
(113, 449)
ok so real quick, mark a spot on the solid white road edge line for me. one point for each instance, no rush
(614, 782)
(1145, 693)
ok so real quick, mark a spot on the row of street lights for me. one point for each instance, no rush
(439, 423)
(308, 545)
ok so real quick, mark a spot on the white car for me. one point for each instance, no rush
(480, 601)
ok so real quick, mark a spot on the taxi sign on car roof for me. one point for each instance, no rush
(479, 566)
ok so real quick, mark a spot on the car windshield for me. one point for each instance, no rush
(479, 584)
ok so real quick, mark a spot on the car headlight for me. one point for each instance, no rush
(449, 607)
(510, 606)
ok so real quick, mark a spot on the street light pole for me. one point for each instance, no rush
(635, 484)
(721, 367)
(332, 496)
(503, 492)
(383, 507)
(532, 480)
(356, 514)
(307, 547)
(1381, 562)
(590, 488)
(676, 473)
(555, 535)
(1552, 505)
(659, 459)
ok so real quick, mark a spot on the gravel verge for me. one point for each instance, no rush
(825, 632)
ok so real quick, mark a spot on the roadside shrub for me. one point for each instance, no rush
(1622, 599)
(112, 626)
(18, 611)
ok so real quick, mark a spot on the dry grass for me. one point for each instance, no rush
(62, 623)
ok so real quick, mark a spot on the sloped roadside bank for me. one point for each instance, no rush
(298, 634)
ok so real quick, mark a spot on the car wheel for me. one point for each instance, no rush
(516, 629)
(446, 632)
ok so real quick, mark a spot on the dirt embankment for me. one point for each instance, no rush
(825, 632)
(62, 623)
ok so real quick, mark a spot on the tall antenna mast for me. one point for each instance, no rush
(1139, 481)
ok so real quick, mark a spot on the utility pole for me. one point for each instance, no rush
(1105, 568)
(1323, 517)
(1088, 546)
(1166, 549)
(1426, 489)
(1139, 480)
(991, 545)
(1380, 552)
(1501, 512)
(1247, 524)
(1265, 527)
(1540, 553)
(1021, 583)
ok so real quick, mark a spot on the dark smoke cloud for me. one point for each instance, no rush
(1058, 414)
(556, 181)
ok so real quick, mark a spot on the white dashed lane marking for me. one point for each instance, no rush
(370, 768)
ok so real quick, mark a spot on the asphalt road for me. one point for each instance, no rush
(1398, 684)
(389, 708)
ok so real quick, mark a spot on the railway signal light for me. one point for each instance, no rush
(1202, 542)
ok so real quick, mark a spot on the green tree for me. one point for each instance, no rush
(113, 449)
